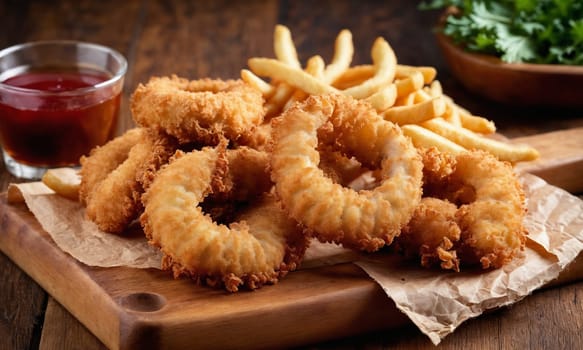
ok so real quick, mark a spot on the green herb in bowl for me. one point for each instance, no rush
(516, 31)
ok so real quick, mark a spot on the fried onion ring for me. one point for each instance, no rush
(198, 110)
(473, 212)
(432, 234)
(111, 184)
(108, 181)
(102, 160)
(492, 225)
(367, 219)
(262, 246)
(245, 181)
(248, 173)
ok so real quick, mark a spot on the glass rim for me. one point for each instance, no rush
(117, 76)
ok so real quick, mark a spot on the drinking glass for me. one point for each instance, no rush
(58, 100)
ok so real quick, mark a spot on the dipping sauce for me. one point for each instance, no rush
(53, 115)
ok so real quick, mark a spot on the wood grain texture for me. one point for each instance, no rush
(63, 331)
(22, 308)
(204, 39)
(561, 158)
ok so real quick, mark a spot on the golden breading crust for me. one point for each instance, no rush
(473, 212)
(367, 219)
(113, 177)
(199, 110)
(259, 248)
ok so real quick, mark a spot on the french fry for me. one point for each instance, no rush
(297, 78)
(264, 87)
(385, 63)
(422, 96)
(435, 89)
(424, 138)
(384, 98)
(64, 181)
(477, 124)
(314, 67)
(357, 74)
(429, 73)
(460, 116)
(416, 113)
(353, 76)
(409, 96)
(343, 53)
(286, 52)
(410, 83)
(278, 99)
(284, 47)
(407, 100)
(470, 140)
(452, 114)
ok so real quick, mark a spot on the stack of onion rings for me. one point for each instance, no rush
(233, 202)
(368, 219)
(122, 180)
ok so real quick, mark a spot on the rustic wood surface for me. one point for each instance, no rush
(197, 39)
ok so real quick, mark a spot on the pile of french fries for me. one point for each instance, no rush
(408, 96)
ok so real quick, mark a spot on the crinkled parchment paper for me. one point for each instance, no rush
(439, 302)
(436, 301)
(64, 220)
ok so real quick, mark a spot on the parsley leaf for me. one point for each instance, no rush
(535, 31)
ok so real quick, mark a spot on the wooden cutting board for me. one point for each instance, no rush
(561, 158)
(132, 308)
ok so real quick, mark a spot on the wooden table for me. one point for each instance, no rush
(198, 39)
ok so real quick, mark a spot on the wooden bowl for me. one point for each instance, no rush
(514, 83)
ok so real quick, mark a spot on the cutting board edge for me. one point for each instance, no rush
(87, 289)
(561, 158)
(270, 330)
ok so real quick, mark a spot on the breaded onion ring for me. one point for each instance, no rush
(111, 184)
(262, 246)
(248, 173)
(162, 148)
(473, 212)
(259, 138)
(342, 170)
(245, 181)
(199, 110)
(432, 234)
(492, 224)
(367, 219)
(102, 160)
